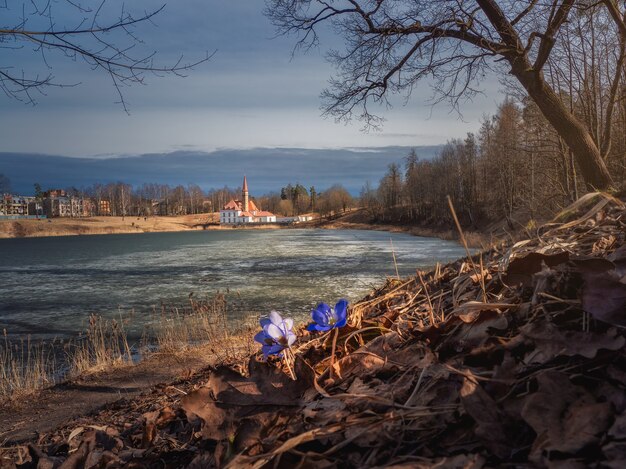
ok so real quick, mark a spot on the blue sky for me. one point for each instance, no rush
(252, 93)
(267, 169)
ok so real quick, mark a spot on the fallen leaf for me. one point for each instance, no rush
(551, 341)
(218, 422)
(489, 419)
(77, 431)
(521, 269)
(565, 417)
(604, 296)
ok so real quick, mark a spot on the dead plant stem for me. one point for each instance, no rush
(430, 303)
(395, 262)
(467, 251)
(332, 353)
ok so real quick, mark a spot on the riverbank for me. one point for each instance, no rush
(105, 225)
(25, 418)
(359, 220)
(90, 226)
(515, 357)
(354, 220)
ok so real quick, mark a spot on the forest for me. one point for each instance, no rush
(162, 199)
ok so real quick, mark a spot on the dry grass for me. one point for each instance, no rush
(204, 322)
(203, 325)
(25, 367)
(103, 346)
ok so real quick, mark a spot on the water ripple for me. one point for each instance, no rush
(49, 286)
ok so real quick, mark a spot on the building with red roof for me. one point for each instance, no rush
(244, 211)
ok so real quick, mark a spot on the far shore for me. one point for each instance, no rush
(29, 228)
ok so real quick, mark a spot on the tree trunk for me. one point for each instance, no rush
(576, 136)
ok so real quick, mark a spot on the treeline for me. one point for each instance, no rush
(560, 133)
(515, 169)
(296, 200)
(122, 199)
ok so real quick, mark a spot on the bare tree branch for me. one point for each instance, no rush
(390, 45)
(107, 45)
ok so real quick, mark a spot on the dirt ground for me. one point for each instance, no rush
(25, 419)
(105, 225)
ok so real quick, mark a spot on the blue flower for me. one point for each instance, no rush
(326, 318)
(277, 334)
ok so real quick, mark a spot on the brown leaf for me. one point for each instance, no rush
(477, 328)
(604, 288)
(218, 422)
(101, 458)
(615, 454)
(459, 461)
(385, 352)
(618, 429)
(565, 417)
(149, 434)
(229, 397)
(619, 259)
(604, 296)
(521, 269)
(550, 342)
(324, 411)
(202, 461)
(77, 459)
(489, 420)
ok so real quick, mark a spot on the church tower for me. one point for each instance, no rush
(245, 194)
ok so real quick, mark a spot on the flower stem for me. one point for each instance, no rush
(290, 359)
(332, 353)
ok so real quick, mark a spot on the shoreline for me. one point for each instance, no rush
(13, 229)
(54, 227)
(475, 240)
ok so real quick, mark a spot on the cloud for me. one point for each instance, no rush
(268, 169)
(250, 94)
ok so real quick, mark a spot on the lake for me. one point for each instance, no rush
(50, 286)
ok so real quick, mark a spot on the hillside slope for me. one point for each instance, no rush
(516, 357)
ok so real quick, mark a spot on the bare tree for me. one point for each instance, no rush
(391, 45)
(76, 30)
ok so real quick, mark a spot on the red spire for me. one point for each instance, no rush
(245, 184)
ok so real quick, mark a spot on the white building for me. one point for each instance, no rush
(239, 212)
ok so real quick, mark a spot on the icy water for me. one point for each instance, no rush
(50, 286)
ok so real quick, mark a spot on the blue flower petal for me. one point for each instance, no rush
(341, 322)
(274, 332)
(291, 338)
(261, 337)
(322, 328)
(276, 318)
(341, 311)
(272, 350)
(321, 314)
(265, 322)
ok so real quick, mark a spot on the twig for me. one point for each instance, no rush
(395, 263)
(417, 386)
(464, 241)
(482, 279)
(430, 304)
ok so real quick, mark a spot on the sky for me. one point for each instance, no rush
(267, 170)
(252, 93)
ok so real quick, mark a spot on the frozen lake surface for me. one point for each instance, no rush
(50, 286)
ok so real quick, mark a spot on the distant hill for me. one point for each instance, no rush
(268, 169)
